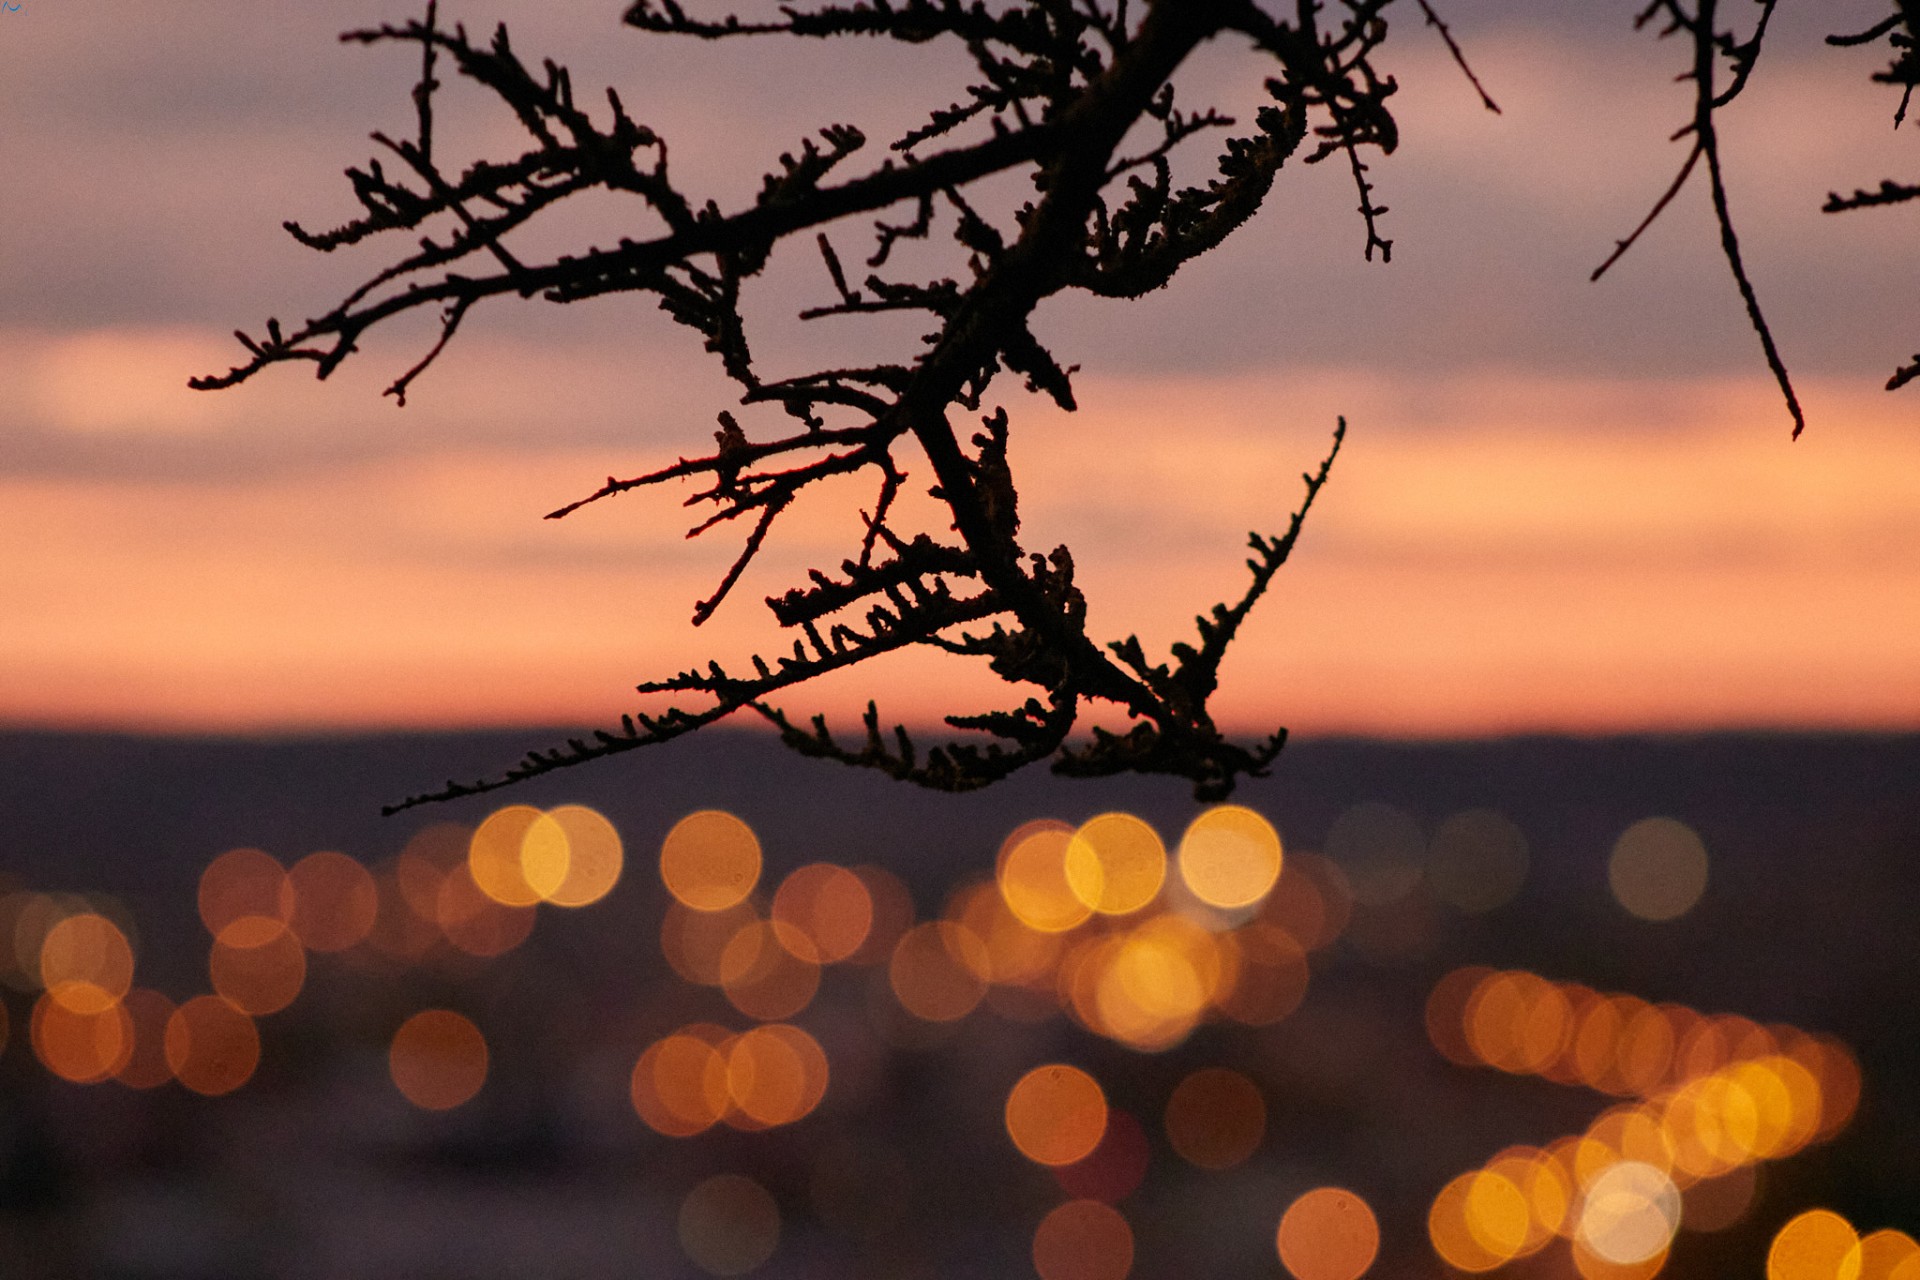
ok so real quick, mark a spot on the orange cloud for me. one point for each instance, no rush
(1493, 554)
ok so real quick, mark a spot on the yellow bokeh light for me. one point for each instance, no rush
(1018, 954)
(1328, 1234)
(710, 860)
(438, 1059)
(1056, 1114)
(1658, 869)
(1498, 1214)
(1032, 875)
(1151, 990)
(1589, 1265)
(1115, 864)
(1547, 1190)
(1450, 1230)
(1230, 857)
(1216, 1118)
(546, 857)
(1816, 1245)
(1518, 1022)
(1629, 1213)
(1886, 1252)
(1083, 1240)
(571, 856)
(496, 855)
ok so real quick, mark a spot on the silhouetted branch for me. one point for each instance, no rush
(1901, 30)
(1075, 98)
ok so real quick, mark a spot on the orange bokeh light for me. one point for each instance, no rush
(86, 962)
(1056, 1114)
(1216, 1118)
(1083, 1240)
(330, 900)
(84, 1039)
(1816, 1245)
(438, 1059)
(829, 905)
(1328, 1234)
(1115, 864)
(240, 882)
(1031, 873)
(776, 1074)
(939, 971)
(257, 965)
(768, 970)
(710, 860)
(680, 1084)
(495, 853)
(212, 1048)
(146, 1066)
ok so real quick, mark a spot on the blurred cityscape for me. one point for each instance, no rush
(1608, 1008)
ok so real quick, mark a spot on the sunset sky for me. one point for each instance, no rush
(1563, 506)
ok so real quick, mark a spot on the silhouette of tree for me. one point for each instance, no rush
(1077, 96)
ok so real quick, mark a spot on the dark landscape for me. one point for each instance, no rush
(317, 1167)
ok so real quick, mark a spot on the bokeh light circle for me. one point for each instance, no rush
(1230, 857)
(829, 905)
(240, 882)
(86, 962)
(438, 1059)
(1115, 864)
(1477, 861)
(1328, 1234)
(1083, 1240)
(729, 1225)
(1056, 1114)
(710, 860)
(330, 900)
(679, 1085)
(1658, 869)
(1032, 876)
(572, 856)
(82, 1038)
(1629, 1213)
(1816, 1245)
(257, 965)
(1216, 1118)
(212, 1048)
(496, 853)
